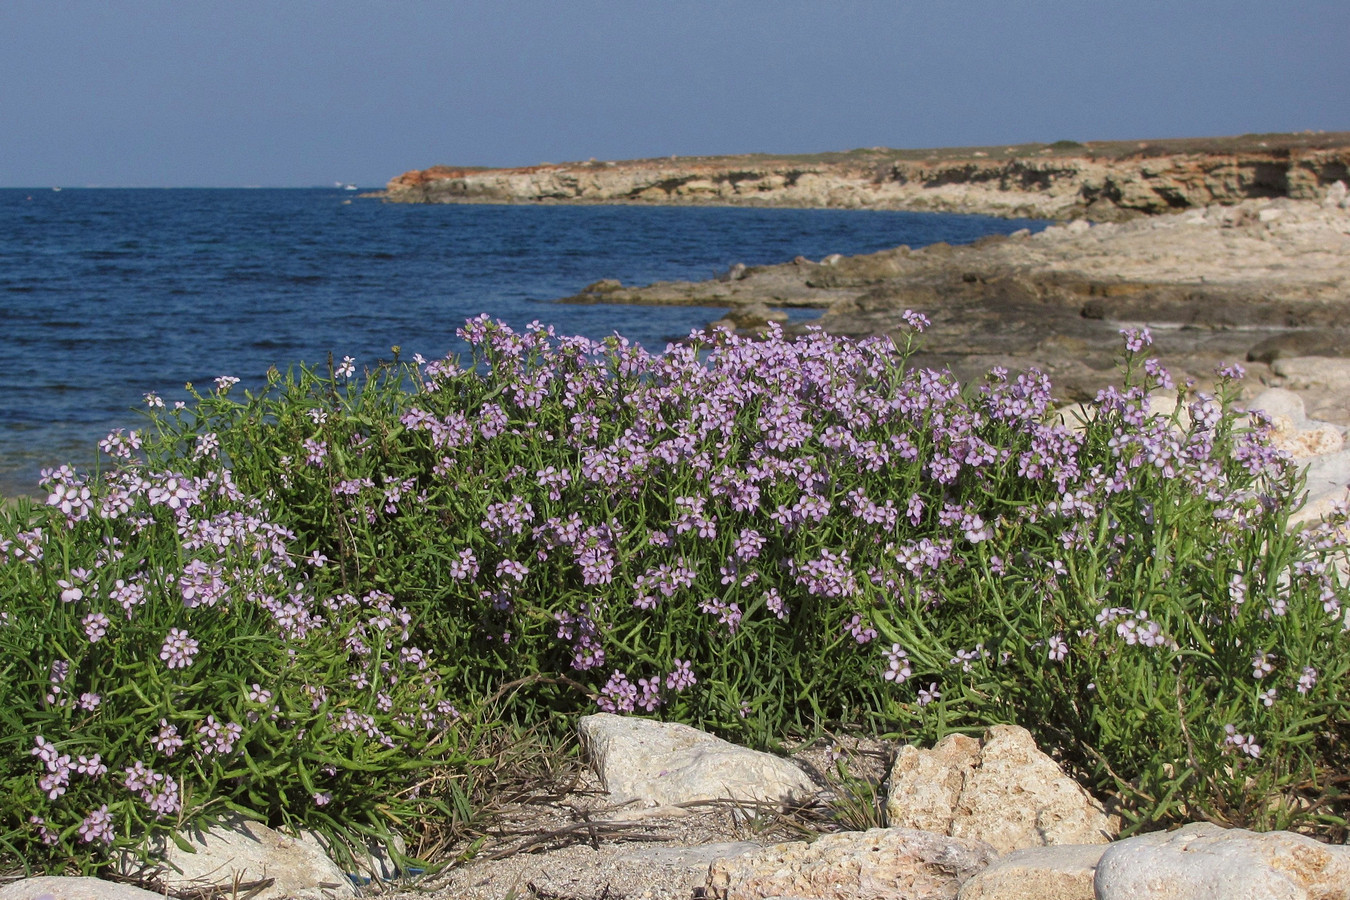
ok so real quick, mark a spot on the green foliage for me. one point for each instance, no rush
(760, 538)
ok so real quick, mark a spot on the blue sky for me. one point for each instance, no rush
(278, 93)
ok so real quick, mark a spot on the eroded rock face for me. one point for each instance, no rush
(665, 764)
(1001, 790)
(1026, 181)
(879, 864)
(1204, 861)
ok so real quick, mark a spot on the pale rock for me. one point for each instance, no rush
(1064, 872)
(1204, 861)
(238, 850)
(1328, 479)
(1305, 443)
(1277, 404)
(1337, 196)
(1001, 790)
(1291, 429)
(582, 871)
(878, 864)
(55, 887)
(1301, 373)
(666, 764)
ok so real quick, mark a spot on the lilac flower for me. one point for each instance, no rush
(619, 695)
(1058, 648)
(682, 676)
(929, 694)
(97, 826)
(897, 665)
(167, 741)
(516, 570)
(1243, 743)
(861, 633)
(464, 567)
(178, 650)
(1307, 680)
(1262, 665)
(89, 701)
(347, 369)
(47, 835)
(1136, 339)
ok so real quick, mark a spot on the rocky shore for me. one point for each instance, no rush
(1101, 181)
(1261, 282)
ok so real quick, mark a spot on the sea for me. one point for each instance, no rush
(107, 294)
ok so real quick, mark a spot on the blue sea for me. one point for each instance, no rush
(106, 294)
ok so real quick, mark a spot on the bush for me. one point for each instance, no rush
(759, 537)
(168, 656)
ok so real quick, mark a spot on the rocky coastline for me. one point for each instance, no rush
(1100, 181)
(1260, 282)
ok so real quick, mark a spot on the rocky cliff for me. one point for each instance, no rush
(1102, 181)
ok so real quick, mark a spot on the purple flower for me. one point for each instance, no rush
(897, 665)
(682, 676)
(97, 826)
(178, 650)
(167, 740)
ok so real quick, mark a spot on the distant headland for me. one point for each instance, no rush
(1097, 180)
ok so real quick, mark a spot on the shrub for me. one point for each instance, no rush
(766, 537)
(168, 656)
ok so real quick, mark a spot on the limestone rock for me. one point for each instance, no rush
(52, 887)
(1045, 873)
(1311, 372)
(1291, 429)
(240, 850)
(665, 763)
(879, 864)
(1328, 478)
(1001, 790)
(1204, 861)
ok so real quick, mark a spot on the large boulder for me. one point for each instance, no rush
(1203, 861)
(1001, 790)
(879, 864)
(667, 764)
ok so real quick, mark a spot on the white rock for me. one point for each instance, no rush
(1336, 196)
(241, 851)
(1328, 478)
(1045, 873)
(52, 887)
(665, 763)
(1311, 372)
(1001, 790)
(1279, 403)
(1204, 861)
(878, 864)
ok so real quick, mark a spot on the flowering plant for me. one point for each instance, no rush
(762, 537)
(167, 656)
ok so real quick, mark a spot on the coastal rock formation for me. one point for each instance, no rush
(1101, 180)
(1215, 285)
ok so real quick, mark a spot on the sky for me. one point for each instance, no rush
(164, 93)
